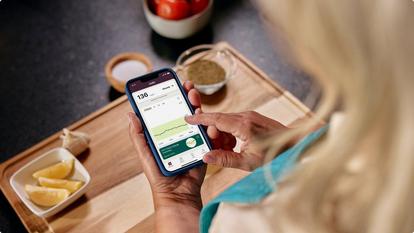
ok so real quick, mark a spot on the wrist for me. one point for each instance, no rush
(177, 219)
(181, 213)
(174, 201)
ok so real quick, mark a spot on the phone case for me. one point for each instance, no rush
(157, 157)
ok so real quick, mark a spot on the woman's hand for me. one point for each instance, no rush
(184, 188)
(177, 199)
(244, 126)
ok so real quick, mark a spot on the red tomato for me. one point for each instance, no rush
(153, 5)
(173, 9)
(198, 6)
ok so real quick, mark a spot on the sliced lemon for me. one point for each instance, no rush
(57, 171)
(46, 196)
(71, 185)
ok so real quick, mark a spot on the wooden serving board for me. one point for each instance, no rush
(119, 198)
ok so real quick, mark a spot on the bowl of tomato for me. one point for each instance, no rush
(177, 19)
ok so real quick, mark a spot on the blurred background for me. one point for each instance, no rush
(53, 55)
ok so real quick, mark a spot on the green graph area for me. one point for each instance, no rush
(169, 129)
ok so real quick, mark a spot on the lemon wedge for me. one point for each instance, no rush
(46, 196)
(57, 171)
(70, 185)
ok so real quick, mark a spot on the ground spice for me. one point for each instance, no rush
(205, 72)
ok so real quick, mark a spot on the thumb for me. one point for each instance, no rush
(225, 158)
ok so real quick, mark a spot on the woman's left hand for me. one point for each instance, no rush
(184, 188)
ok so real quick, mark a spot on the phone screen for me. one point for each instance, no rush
(163, 107)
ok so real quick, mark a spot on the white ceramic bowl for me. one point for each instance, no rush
(178, 29)
(24, 176)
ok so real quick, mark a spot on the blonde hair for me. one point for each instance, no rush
(362, 53)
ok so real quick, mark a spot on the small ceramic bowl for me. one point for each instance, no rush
(214, 53)
(178, 29)
(24, 176)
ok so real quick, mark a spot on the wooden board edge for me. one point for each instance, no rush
(1, 171)
(41, 221)
(54, 136)
(251, 65)
(21, 155)
(267, 79)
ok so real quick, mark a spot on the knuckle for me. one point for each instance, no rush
(225, 161)
(251, 114)
(238, 127)
(248, 114)
(247, 124)
(246, 128)
(216, 116)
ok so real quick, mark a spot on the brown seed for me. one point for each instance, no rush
(205, 72)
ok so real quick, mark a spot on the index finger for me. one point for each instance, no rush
(229, 123)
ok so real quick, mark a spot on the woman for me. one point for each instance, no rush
(359, 177)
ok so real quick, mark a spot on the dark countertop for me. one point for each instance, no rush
(53, 53)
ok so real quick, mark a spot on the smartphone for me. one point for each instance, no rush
(161, 104)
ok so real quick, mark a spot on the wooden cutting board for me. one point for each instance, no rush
(119, 198)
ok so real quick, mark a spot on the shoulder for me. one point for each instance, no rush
(245, 218)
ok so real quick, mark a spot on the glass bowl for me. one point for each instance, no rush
(215, 53)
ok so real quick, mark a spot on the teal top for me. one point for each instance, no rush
(254, 187)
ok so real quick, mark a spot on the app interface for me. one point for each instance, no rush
(163, 108)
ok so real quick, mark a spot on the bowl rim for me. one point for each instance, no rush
(115, 83)
(198, 15)
(189, 50)
(212, 47)
(53, 209)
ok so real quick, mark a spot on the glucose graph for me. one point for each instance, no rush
(169, 129)
(164, 117)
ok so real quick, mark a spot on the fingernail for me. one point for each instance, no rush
(208, 159)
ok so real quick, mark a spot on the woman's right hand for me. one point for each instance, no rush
(244, 126)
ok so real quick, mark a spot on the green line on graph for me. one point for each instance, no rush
(169, 129)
